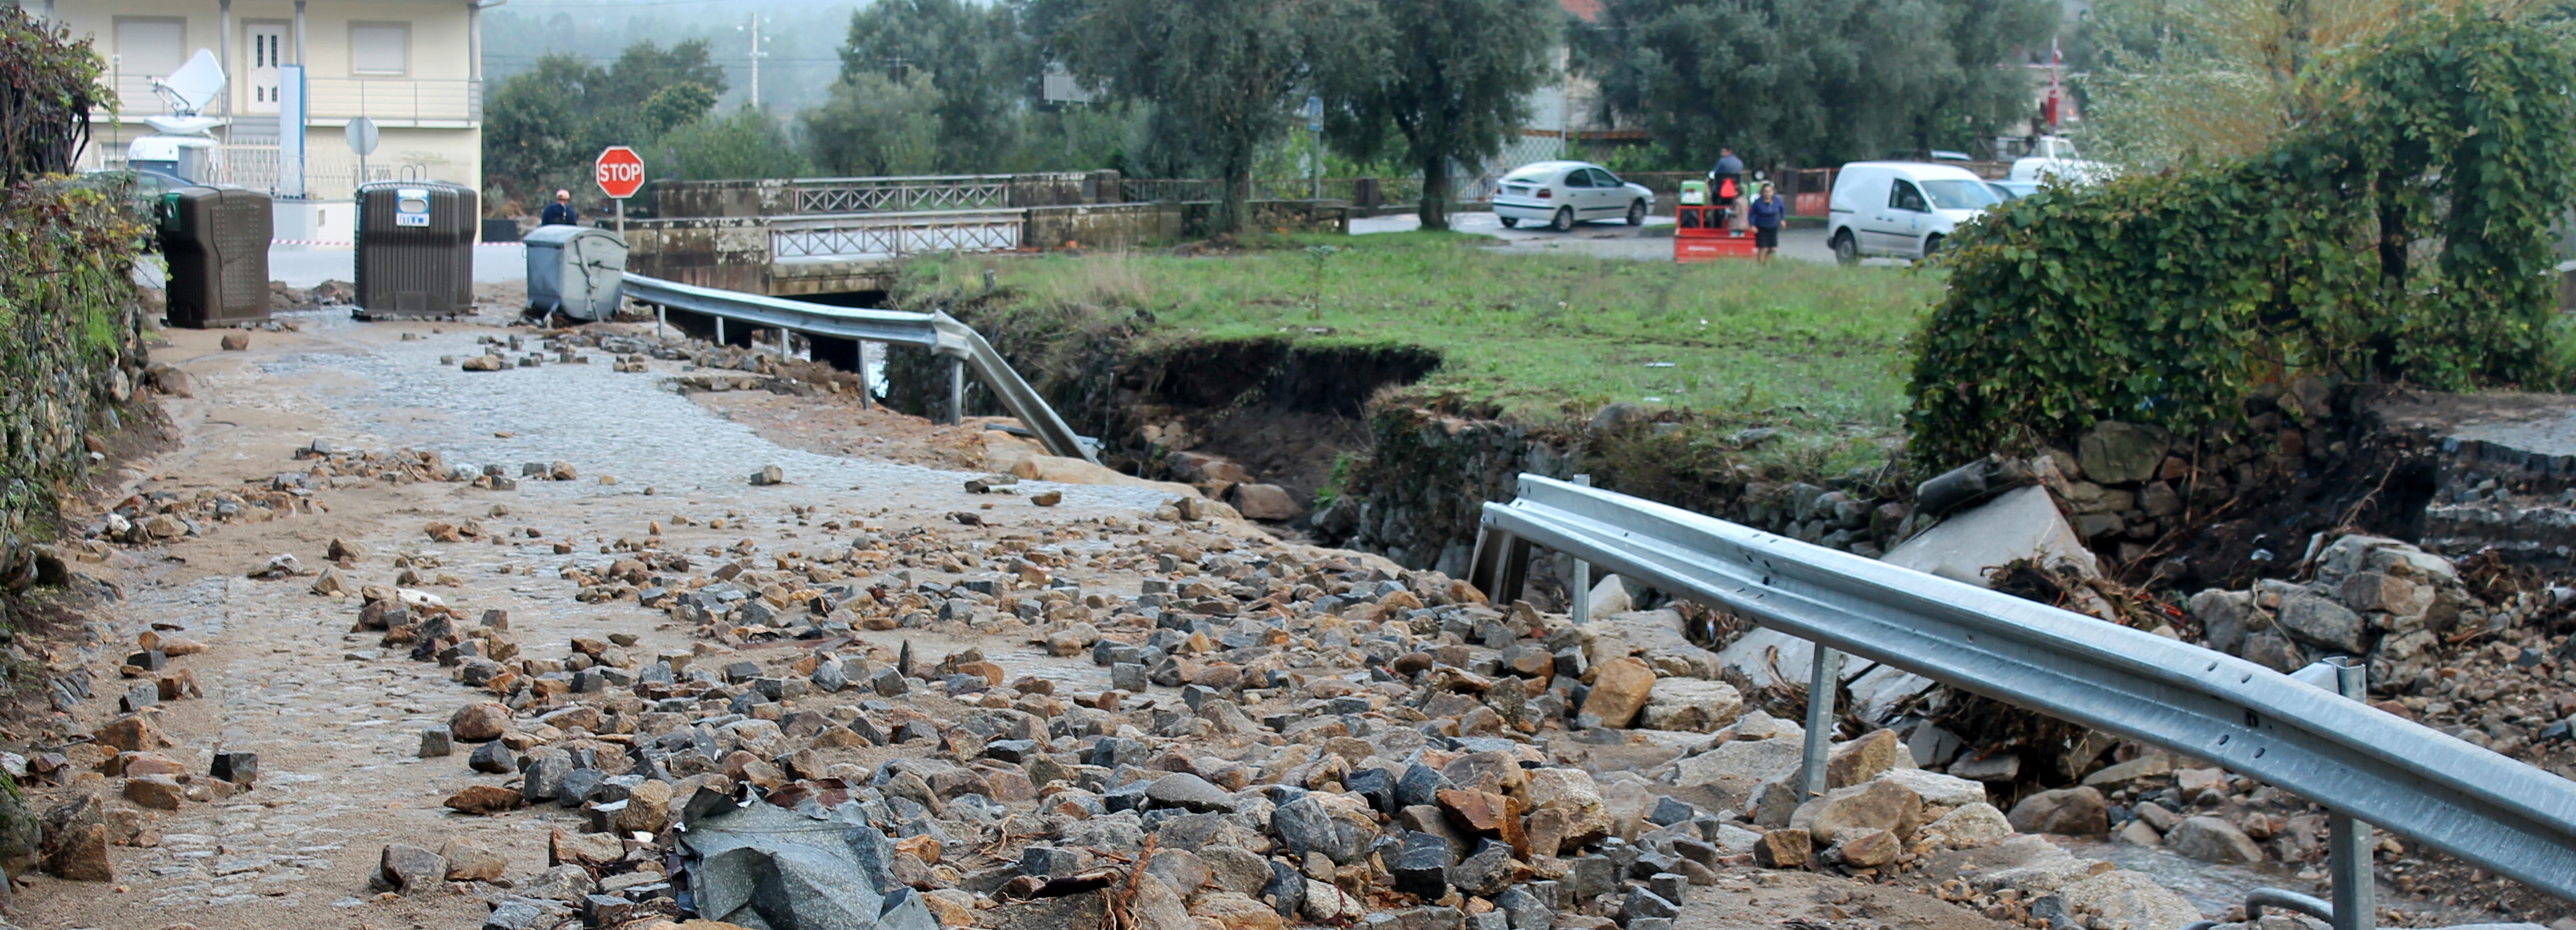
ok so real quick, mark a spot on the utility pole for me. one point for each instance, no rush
(756, 56)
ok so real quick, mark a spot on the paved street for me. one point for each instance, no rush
(1652, 242)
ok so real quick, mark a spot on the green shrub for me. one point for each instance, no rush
(2403, 236)
(48, 82)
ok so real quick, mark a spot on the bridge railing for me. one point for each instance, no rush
(903, 194)
(2365, 765)
(876, 236)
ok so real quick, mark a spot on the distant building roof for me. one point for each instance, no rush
(1586, 10)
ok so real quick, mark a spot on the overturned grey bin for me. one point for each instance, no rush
(575, 271)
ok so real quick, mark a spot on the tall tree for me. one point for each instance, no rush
(2179, 79)
(1813, 81)
(540, 123)
(542, 127)
(875, 125)
(981, 70)
(745, 144)
(646, 67)
(1450, 77)
(1220, 75)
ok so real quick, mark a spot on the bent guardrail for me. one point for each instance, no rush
(2511, 818)
(937, 332)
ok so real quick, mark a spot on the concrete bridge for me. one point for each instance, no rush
(808, 236)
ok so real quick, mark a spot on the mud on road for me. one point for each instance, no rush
(498, 674)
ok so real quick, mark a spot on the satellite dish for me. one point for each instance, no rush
(194, 85)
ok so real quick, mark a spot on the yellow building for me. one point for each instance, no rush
(414, 67)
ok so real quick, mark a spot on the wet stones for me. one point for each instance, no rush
(1188, 792)
(493, 758)
(75, 839)
(768, 475)
(409, 870)
(1421, 867)
(468, 861)
(2078, 811)
(1304, 826)
(1486, 873)
(1620, 690)
(477, 723)
(1054, 861)
(155, 792)
(485, 799)
(1784, 849)
(2210, 839)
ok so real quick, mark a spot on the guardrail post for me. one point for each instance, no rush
(1580, 607)
(2348, 841)
(1820, 716)
(867, 399)
(956, 391)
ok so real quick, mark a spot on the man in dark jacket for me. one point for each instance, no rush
(1725, 184)
(560, 212)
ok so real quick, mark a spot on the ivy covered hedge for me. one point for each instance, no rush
(71, 348)
(2402, 235)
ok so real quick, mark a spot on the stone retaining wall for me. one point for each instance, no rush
(71, 352)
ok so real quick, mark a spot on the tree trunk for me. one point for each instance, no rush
(1434, 209)
(1230, 209)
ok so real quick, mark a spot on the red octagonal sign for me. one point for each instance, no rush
(620, 172)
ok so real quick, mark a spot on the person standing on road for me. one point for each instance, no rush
(560, 212)
(1766, 214)
(1726, 184)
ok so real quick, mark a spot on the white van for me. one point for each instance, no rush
(1901, 208)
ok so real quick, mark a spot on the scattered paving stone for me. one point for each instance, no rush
(410, 870)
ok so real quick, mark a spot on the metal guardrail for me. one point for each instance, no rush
(937, 332)
(925, 192)
(876, 236)
(2506, 816)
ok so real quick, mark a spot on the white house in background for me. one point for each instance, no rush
(1568, 106)
(414, 67)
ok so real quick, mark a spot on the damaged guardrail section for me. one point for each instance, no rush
(2509, 817)
(937, 332)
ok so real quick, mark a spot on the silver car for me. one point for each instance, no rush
(1563, 193)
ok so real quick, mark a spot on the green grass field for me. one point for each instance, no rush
(1793, 344)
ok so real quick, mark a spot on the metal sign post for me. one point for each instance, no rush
(362, 140)
(1315, 127)
(291, 115)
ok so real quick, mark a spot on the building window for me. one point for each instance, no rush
(150, 45)
(379, 48)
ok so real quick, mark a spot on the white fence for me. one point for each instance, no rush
(901, 194)
(329, 173)
(876, 236)
(391, 102)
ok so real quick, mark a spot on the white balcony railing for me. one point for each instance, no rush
(392, 102)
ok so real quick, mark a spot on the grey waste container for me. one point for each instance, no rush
(575, 271)
(415, 249)
(216, 242)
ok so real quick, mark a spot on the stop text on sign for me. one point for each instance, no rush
(620, 172)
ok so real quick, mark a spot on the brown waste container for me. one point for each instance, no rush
(416, 250)
(215, 240)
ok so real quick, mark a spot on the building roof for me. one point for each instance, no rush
(1586, 10)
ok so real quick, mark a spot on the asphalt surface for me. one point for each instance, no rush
(499, 262)
(494, 262)
(1610, 239)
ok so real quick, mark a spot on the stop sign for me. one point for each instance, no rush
(620, 172)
